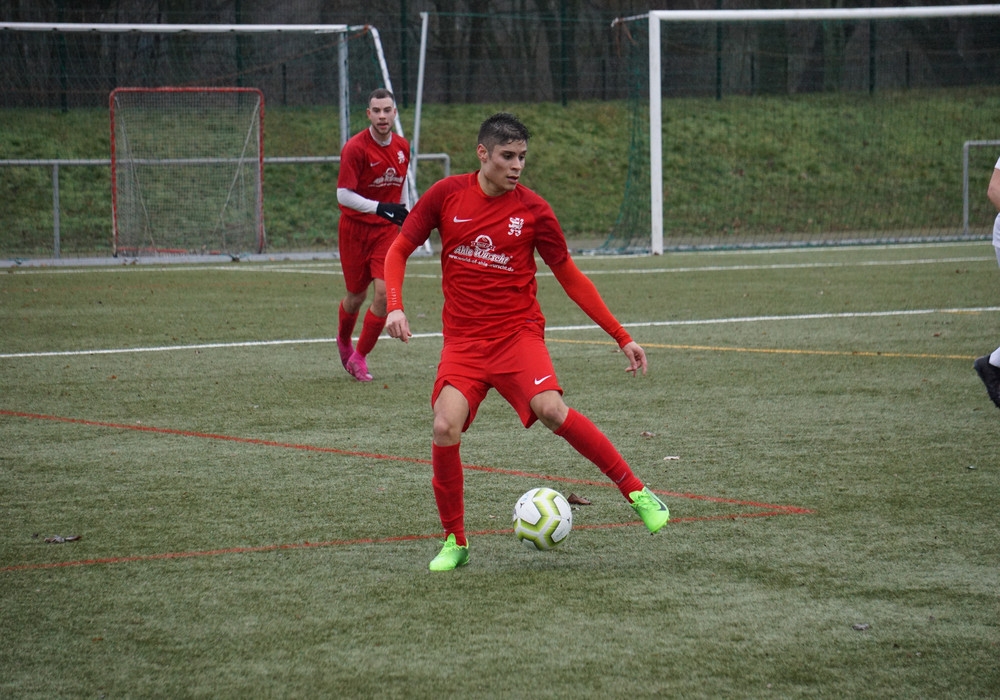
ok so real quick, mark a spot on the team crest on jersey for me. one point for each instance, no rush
(400, 157)
(482, 252)
(516, 226)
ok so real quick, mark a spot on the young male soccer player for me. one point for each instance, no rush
(494, 331)
(373, 204)
(988, 366)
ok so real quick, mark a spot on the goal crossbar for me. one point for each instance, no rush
(827, 13)
(112, 28)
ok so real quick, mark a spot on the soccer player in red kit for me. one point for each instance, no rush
(494, 331)
(373, 202)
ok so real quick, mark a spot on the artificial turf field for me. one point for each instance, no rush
(255, 523)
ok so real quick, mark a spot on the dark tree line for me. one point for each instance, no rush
(547, 50)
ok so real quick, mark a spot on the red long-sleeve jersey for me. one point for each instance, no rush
(373, 171)
(488, 259)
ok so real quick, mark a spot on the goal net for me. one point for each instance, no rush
(315, 79)
(187, 171)
(808, 127)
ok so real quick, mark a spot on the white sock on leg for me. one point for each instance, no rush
(995, 358)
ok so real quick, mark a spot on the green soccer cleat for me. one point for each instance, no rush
(451, 556)
(652, 510)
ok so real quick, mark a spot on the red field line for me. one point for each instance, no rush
(207, 436)
(765, 509)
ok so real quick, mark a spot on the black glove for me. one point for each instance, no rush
(396, 213)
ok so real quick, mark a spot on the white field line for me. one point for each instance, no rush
(790, 317)
(326, 268)
(549, 329)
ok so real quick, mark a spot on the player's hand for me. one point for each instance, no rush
(396, 213)
(636, 358)
(397, 326)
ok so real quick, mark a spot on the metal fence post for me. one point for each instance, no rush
(55, 210)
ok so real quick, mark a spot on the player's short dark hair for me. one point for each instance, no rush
(381, 94)
(502, 128)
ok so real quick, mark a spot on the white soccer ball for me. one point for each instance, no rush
(542, 518)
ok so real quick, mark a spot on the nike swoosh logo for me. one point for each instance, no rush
(372, 165)
(460, 221)
(539, 381)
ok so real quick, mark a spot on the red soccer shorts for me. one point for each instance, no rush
(517, 366)
(362, 251)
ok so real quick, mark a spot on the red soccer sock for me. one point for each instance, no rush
(586, 439)
(449, 490)
(346, 324)
(371, 329)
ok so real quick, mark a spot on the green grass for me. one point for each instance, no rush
(255, 523)
(759, 169)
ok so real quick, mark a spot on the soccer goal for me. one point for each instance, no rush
(167, 141)
(187, 169)
(804, 127)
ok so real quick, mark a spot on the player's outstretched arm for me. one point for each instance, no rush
(395, 268)
(582, 291)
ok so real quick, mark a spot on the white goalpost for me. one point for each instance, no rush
(657, 18)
